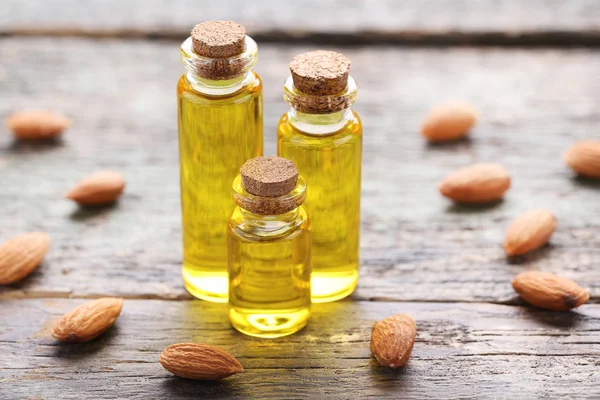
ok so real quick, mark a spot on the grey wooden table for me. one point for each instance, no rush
(532, 68)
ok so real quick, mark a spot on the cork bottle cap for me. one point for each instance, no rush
(269, 176)
(218, 39)
(321, 73)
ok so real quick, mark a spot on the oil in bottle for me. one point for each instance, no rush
(322, 135)
(220, 121)
(269, 250)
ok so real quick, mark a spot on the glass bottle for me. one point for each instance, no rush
(220, 121)
(322, 135)
(269, 250)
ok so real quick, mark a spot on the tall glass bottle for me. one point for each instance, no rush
(220, 120)
(323, 136)
(269, 250)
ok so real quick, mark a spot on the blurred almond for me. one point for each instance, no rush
(21, 255)
(37, 124)
(392, 340)
(199, 361)
(529, 231)
(448, 122)
(584, 158)
(546, 290)
(88, 321)
(477, 183)
(100, 188)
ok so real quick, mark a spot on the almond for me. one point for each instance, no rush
(392, 340)
(37, 124)
(88, 321)
(546, 290)
(21, 255)
(448, 122)
(97, 189)
(199, 361)
(529, 231)
(477, 183)
(584, 158)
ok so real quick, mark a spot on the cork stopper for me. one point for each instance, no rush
(320, 73)
(219, 39)
(269, 183)
(320, 83)
(269, 176)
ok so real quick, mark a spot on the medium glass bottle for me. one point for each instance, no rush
(323, 136)
(269, 250)
(220, 127)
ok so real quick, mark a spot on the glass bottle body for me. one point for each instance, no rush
(327, 149)
(220, 128)
(269, 272)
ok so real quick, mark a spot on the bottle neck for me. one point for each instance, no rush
(268, 216)
(219, 76)
(269, 225)
(320, 115)
(220, 87)
(319, 124)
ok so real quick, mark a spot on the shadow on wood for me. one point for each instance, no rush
(564, 320)
(585, 182)
(462, 144)
(192, 389)
(531, 257)
(390, 379)
(79, 351)
(84, 213)
(462, 208)
(35, 146)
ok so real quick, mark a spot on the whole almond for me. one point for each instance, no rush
(21, 255)
(97, 189)
(584, 158)
(37, 124)
(392, 340)
(199, 361)
(477, 183)
(546, 290)
(448, 122)
(88, 321)
(529, 231)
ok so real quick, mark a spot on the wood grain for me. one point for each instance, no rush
(462, 351)
(415, 245)
(412, 22)
(418, 251)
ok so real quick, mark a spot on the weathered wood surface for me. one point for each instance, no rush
(416, 246)
(505, 22)
(462, 351)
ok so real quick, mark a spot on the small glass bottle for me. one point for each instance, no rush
(323, 136)
(220, 120)
(269, 250)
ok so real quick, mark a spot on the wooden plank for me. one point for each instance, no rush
(416, 246)
(468, 350)
(435, 22)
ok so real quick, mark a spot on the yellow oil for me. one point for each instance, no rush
(217, 134)
(269, 273)
(331, 165)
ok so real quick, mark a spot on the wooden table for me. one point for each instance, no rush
(532, 69)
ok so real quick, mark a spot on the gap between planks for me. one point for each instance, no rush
(22, 295)
(408, 38)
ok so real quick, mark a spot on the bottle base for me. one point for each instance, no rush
(206, 285)
(268, 324)
(328, 287)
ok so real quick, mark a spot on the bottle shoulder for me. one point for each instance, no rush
(185, 89)
(351, 133)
